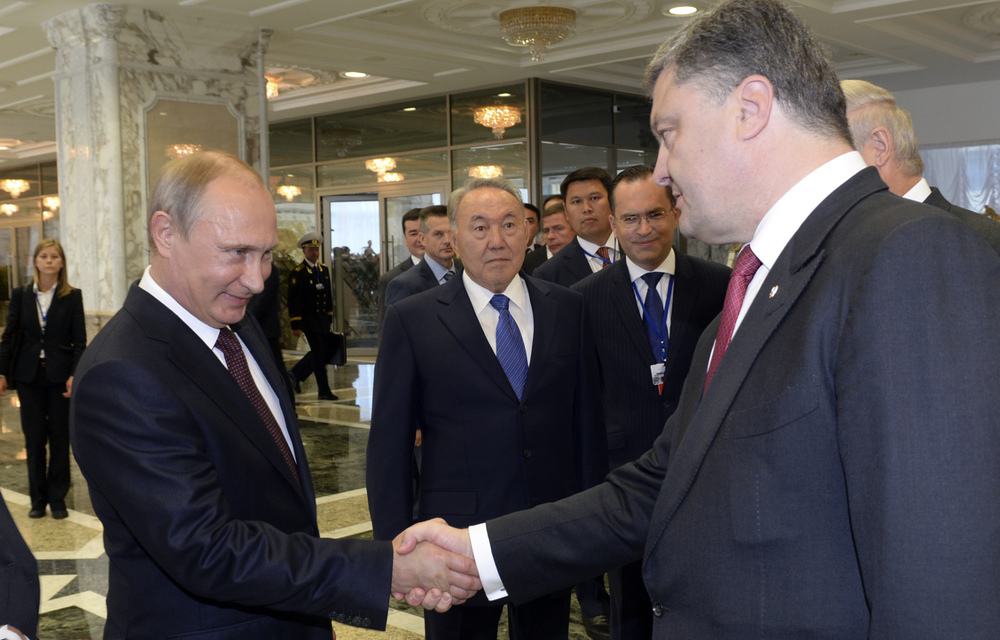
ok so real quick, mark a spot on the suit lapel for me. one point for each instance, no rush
(683, 305)
(427, 275)
(788, 278)
(579, 266)
(458, 316)
(544, 311)
(624, 300)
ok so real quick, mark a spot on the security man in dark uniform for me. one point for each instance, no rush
(310, 310)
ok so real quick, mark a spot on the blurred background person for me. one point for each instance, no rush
(41, 345)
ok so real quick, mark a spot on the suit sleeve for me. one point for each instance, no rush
(591, 436)
(133, 437)
(78, 328)
(295, 282)
(917, 414)
(393, 430)
(394, 292)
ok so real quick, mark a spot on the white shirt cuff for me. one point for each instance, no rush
(483, 555)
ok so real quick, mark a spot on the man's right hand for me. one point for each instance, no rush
(433, 566)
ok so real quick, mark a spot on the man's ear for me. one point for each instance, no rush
(881, 142)
(756, 99)
(163, 232)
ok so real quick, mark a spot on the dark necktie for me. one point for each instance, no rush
(743, 271)
(236, 361)
(510, 347)
(605, 253)
(448, 275)
(654, 307)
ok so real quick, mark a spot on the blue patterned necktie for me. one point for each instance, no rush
(654, 307)
(448, 275)
(510, 346)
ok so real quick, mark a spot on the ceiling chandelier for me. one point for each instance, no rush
(380, 165)
(486, 171)
(8, 209)
(536, 27)
(340, 139)
(183, 150)
(390, 177)
(51, 202)
(289, 191)
(497, 117)
(271, 88)
(47, 215)
(14, 186)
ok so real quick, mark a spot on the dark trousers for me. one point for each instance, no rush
(546, 618)
(320, 345)
(45, 420)
(631, 611)
(594, 600)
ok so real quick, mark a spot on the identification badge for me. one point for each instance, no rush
(656, 372)
(319, 286)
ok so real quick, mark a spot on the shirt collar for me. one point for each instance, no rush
(437, 268)
(414, 259)
(592, 248)
(208, 334)
(480, 296)
(781, 222)
(311, 265)
(919, 192)
(668, 266)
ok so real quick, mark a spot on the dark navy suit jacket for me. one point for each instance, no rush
(19, 589)
(568, 266)
(988, 229)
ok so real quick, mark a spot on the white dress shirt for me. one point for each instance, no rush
(919, 192)
(635, 274)
(44, 301)
(590, 250)
(210, 335)
(489, 318)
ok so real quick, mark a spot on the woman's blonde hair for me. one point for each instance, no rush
(63, 287)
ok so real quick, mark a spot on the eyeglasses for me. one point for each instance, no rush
(654, 218)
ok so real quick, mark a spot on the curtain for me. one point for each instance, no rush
(967, 176)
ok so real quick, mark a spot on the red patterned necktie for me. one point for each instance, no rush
(605, 253)
(743, 271)
(236, 361)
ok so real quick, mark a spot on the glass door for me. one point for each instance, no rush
(364, 233)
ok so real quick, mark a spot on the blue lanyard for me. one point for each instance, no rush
(661, 332)
(601, 258)
(42, 314)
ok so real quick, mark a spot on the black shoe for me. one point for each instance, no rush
(37, 513)
(327, 395)
(60, 514)
(296, 385)
(597, 628)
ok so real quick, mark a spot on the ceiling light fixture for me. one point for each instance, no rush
(51, 202)
(340, 139)
(289, 191)
(682, 10)
(486, 171)
(536, 27)
(182, 150)
(390, 177)
(497, 117)
(272, 87)
(354, 74)
(14, 186)
(380, 165)
(8, 209)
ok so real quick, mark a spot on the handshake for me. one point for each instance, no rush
(433, 566)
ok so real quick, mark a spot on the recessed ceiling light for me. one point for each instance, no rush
(503, 95)
(354, 74)
(4, 148)
(410, 109)
(682, 10)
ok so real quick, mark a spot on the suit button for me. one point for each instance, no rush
(340, 617)
(356, 621)
(366, 623)
(526, 453)
(657, 609)
(524, 409)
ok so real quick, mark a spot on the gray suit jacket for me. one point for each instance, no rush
(840, 477)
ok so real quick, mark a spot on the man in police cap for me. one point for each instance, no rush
(310, 310)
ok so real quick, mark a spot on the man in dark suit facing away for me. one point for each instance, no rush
(411, 236)
(646, 314)
(184, 430)
(495, 369)
(883, 133)
(439, 264)
(832, 468)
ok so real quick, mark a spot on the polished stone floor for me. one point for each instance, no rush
(70, 552)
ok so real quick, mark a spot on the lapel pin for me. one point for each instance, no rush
(774, 290)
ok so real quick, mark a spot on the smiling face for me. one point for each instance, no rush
(226, 256)
(644, 222)
(491, 237)
(588, 211)
(698, 162)
(412, 238)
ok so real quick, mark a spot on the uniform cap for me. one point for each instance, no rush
(310, 240)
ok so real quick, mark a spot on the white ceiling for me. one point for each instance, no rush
(416, 48)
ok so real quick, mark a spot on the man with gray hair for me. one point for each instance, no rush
(882, 132)
(833, 467)
(496, 370)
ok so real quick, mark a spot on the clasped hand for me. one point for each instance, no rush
(432, 566)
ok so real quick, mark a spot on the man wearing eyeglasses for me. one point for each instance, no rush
(646, 313)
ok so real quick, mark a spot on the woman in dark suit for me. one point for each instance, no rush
(48, 313)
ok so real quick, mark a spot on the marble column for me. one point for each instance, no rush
(121, 71)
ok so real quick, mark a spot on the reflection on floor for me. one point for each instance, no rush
(70, 552)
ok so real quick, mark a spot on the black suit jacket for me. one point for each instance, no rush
(414, 281)
(207, 531)
(988, 229)
(64, 339)
(840, 477)
(568, 266)
(19, 590)
(383, 284)
(534, 258)
(485, 453)
(634, 410)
